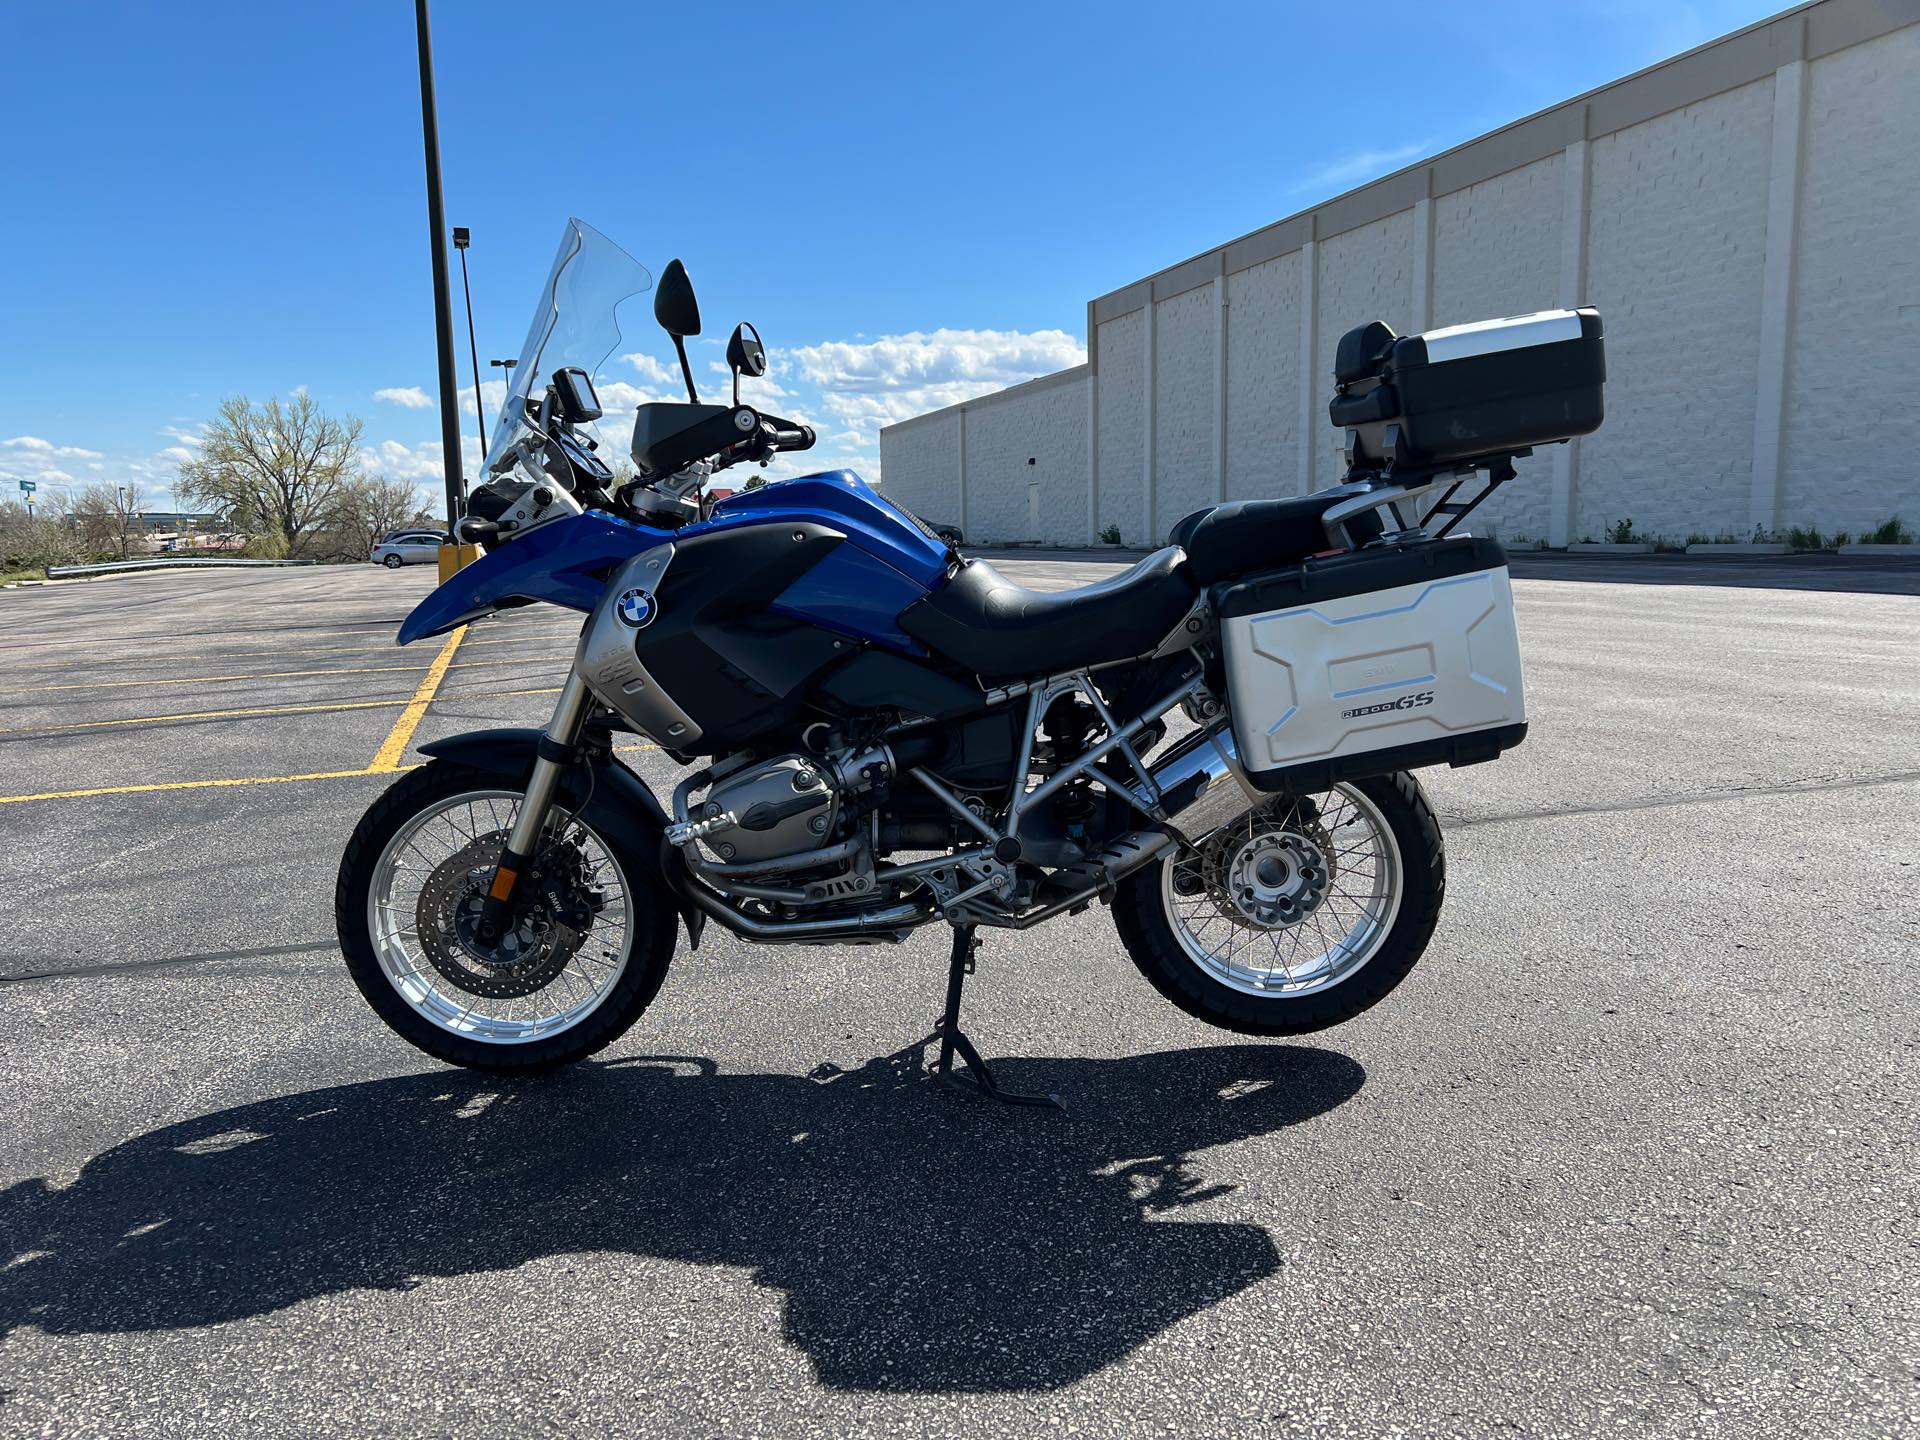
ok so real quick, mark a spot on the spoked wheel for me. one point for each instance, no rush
(1298, 915)
(588, 949)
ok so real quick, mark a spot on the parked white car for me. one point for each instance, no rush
(408, 547)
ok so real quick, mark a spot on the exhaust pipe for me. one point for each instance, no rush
(1200, 787)
(1201, 783)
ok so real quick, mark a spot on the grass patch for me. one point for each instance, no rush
(1802, 537)
(1888, 532)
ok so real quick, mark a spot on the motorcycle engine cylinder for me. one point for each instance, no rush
(784, 807)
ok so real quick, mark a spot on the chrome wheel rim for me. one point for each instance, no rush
(440, 834)
(1292, 898)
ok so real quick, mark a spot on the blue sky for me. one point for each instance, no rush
(913, 202)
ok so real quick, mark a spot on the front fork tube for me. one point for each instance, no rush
(556, 752)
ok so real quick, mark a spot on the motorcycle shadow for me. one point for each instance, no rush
(923, 1241)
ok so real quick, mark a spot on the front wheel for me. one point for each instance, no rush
(587, 952)
(1299, 915)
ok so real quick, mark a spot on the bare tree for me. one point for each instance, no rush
(366, 509)
(106, 514)
(273, 467)
(36, 536)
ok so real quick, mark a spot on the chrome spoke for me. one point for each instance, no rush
(584, 978)
(1291, 898)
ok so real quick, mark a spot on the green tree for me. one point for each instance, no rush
(274, 467)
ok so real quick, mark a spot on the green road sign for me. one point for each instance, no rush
(29, 486)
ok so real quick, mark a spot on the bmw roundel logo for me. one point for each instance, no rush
(636, 607)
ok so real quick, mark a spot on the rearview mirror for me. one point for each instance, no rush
(679, 315)
(673, 303)
(745, 354)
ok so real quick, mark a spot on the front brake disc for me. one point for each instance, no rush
(527, 957)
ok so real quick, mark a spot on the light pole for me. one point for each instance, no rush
(505, 367)
(442, 306)
(462, 237)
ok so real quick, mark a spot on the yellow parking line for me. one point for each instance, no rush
(387, 759)
(206, 715)
(253, 711)
(184, 785)
(531, 638)
(261, 675)
(224, 784)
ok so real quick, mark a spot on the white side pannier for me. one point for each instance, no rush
(1374, 661)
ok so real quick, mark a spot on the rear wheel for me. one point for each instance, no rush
(592, 938)
(1299, 915)
(393, 562)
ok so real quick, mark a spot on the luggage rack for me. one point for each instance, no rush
(1371, 492)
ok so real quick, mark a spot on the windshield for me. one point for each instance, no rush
(575, 323)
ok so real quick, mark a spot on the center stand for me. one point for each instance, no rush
(953, 1039)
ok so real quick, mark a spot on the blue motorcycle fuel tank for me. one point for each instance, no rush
(886, 563)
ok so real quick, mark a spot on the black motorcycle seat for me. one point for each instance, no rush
(1243, 536)
(993, 627)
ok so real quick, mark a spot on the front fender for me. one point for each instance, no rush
(601, 791)
(564, 563)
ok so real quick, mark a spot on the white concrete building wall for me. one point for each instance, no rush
(922, 469)
(1121, 456)
(1496, 245)
(1183, 434)
(1263, 379)
(1496, 251)
(1676, 239)
(1852, 452)
(1746, 216)
(1027, 462)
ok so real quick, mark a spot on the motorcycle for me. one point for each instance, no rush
(879, 733)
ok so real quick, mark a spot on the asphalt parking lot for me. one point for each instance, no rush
(1632, 1152)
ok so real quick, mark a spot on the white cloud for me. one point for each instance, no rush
(179, 454)
(990, 359)
(753, 388)
(424, 462)
(33, 444)
(1363, 165)
(617, 396)
(412, 397)
(865, 384)
(652, 369)
(492, 391)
